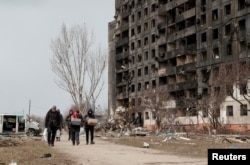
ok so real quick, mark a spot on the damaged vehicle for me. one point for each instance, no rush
(18, 124)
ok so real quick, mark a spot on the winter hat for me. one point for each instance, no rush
(90, 110)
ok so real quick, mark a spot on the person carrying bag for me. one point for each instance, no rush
(90, 123)
(52, 123)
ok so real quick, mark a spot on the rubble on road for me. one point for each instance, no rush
(145, 145)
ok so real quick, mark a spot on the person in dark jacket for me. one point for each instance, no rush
(89, 128)
(68, 117)
(52, 123)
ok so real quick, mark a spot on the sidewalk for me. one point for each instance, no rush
(106, 153)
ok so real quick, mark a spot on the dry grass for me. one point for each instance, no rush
(31, 152)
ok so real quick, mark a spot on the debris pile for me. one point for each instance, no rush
(139, 131)
(123, 125)
(234, 139)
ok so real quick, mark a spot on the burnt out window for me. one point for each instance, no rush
(227, 29)
(215, 34)
(203, 37)
(215, 14)
(227, 9)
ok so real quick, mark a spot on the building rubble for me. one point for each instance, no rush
(123, 126)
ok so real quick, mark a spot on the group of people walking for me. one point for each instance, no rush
(75, 125)
(74, 120)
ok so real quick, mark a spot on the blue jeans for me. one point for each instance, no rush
(75, 137)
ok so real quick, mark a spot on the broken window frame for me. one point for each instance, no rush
(243, 110)
(229, 111)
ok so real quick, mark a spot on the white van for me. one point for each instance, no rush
(18, 124)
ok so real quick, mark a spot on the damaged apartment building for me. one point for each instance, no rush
(175, 44)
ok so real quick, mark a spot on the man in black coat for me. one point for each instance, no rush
(89, 128)
(52, 123)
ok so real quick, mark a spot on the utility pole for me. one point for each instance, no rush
(29, 106)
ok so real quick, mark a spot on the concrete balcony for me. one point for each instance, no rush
(122, 41)
(188, 84)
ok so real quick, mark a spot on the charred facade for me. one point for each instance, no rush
(175, 44)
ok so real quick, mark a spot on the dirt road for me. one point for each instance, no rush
(106, 153)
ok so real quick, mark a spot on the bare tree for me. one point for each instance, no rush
(210, 111)
(96, 67)
(233, 80)
(78, 68)
(156, 100)
(229, 79)
(219, 84)
(244, 80)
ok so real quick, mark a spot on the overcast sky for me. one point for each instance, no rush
(27, 28)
